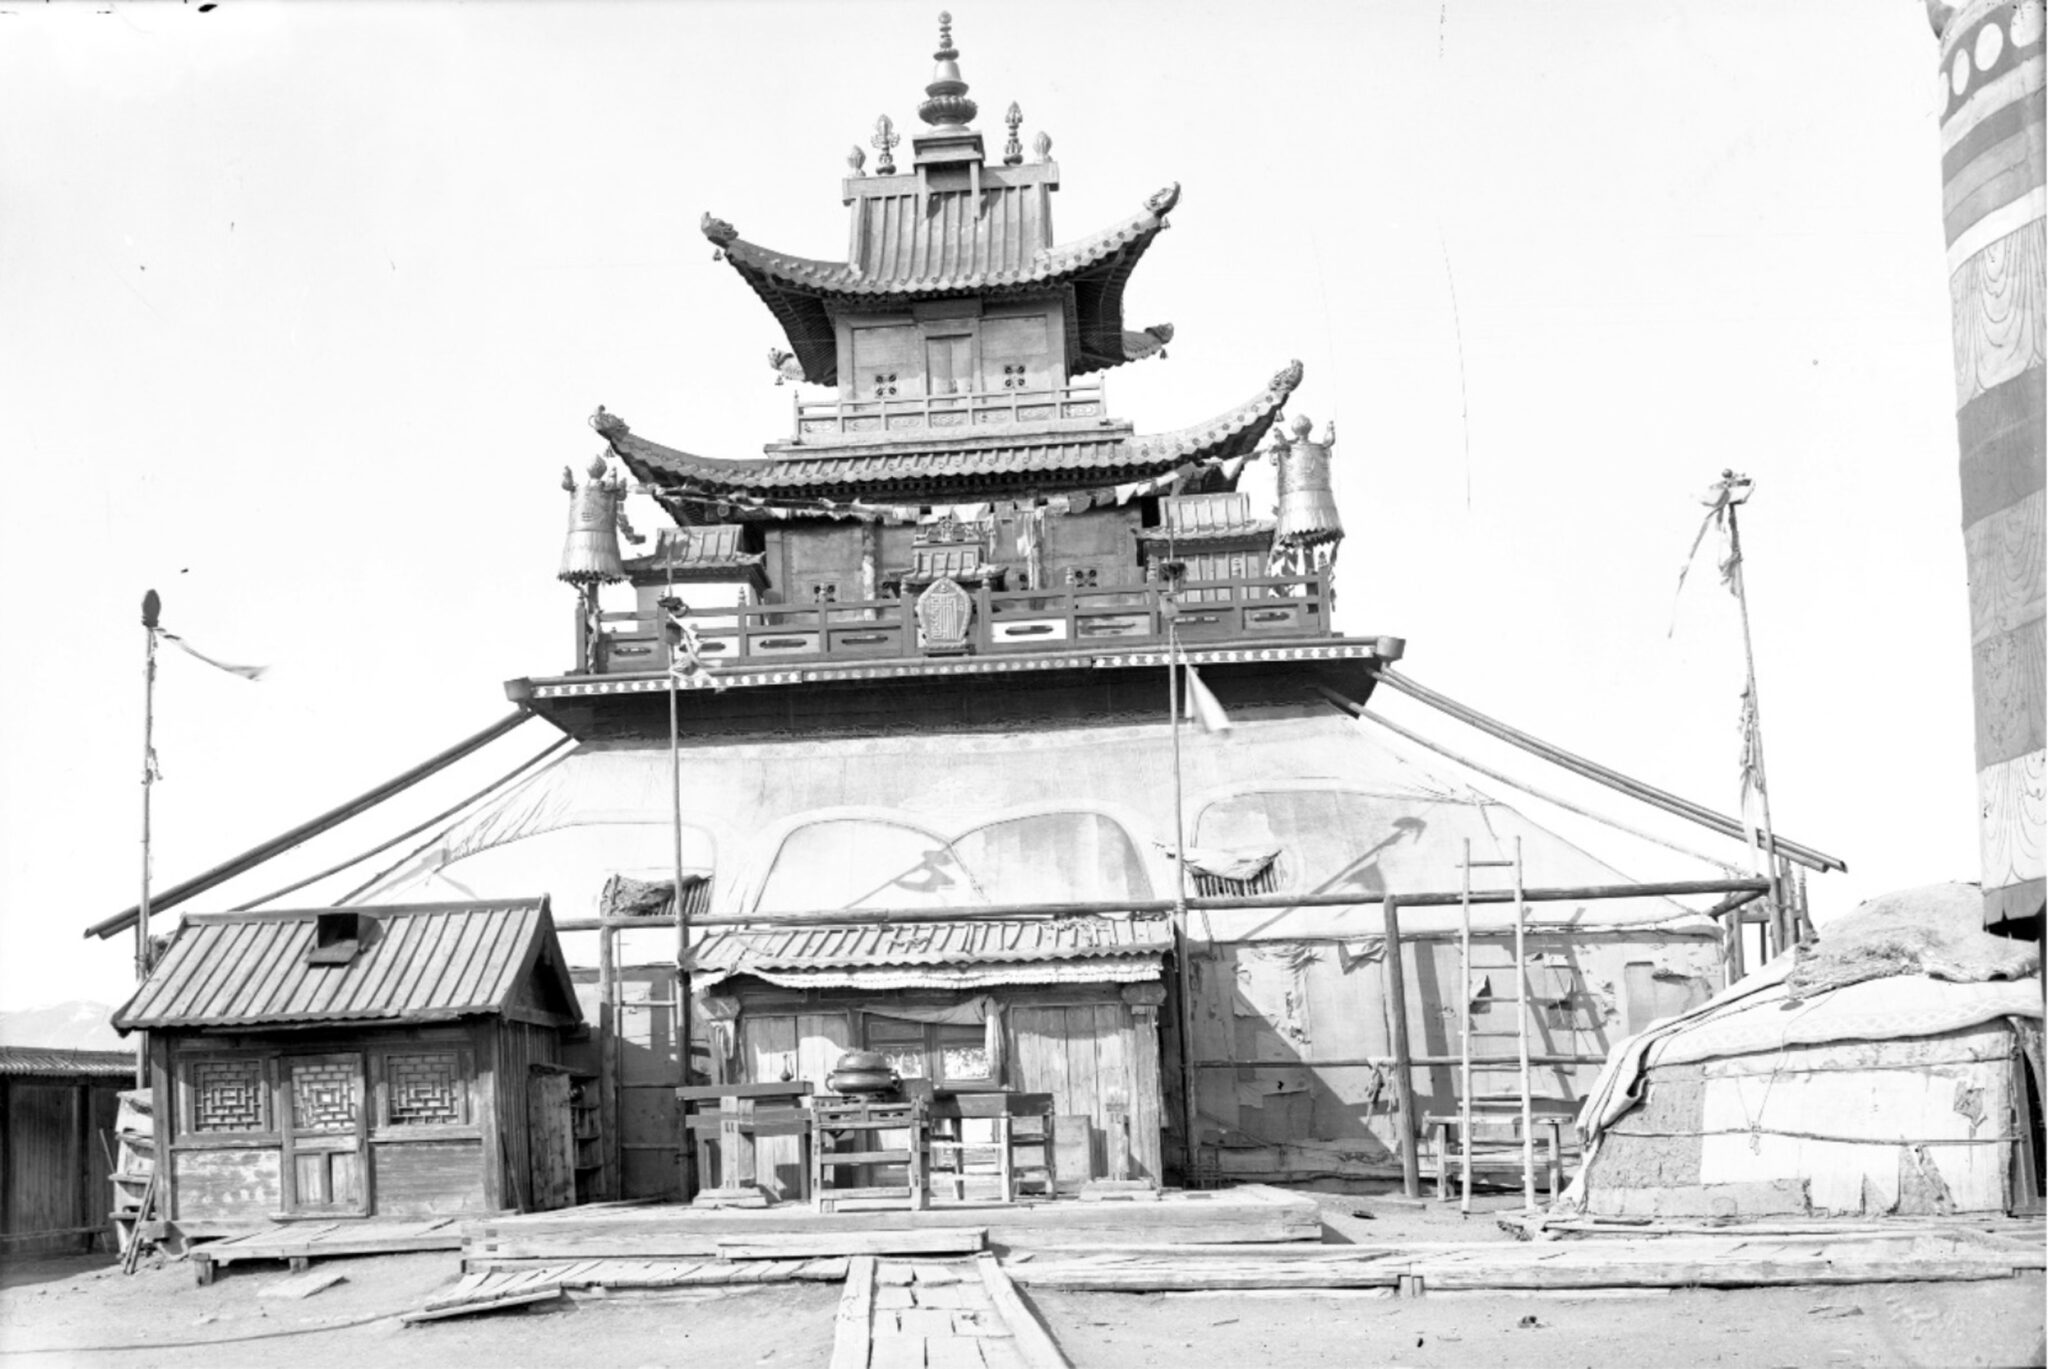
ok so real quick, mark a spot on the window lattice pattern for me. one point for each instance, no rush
(1267, 881)
(426, 1090)
(324, 1097)
(227, 1095)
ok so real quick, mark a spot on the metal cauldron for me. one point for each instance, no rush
(862, 1074)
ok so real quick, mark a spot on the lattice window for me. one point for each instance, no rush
(426, 1090)
(229, 1095)
(1015, 378)
(885, 384)
(825, 593)
(324, 1095)
(1084, 577)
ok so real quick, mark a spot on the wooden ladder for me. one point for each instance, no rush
(1465, 1033)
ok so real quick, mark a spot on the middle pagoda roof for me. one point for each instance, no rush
(956, 466)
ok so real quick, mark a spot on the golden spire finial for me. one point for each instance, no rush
(946, 105)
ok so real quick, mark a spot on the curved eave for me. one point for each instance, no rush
(681, 477)
(801, 292)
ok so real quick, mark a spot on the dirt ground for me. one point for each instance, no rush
(82, 1311)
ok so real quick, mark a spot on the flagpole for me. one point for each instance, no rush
(151, 607)
(1184, 977)
(1756, 740)
(688, 1154)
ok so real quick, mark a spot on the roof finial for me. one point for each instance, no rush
(857, 159)
(947, 105)
(886, 137)
(1013, 151)
(1042, 145)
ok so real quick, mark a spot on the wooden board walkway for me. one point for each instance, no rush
(1253, 1213)
(937, 1314)
(489, 1289)
(300, 1243)
(1695, 1261)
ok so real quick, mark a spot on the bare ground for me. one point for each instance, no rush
(83, 1311)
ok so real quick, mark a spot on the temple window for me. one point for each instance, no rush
(1084, 577)
(825, 592)
(885, 384)
(948, 1054)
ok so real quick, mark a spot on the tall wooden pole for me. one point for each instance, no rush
(1184, 976)
(151, 607)
(687, 1153)
(1404, 1055)
(1755, 742)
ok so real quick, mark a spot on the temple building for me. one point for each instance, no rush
(920, 733)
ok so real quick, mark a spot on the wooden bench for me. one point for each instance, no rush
(1496, 1153)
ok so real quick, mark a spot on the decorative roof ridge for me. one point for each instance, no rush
(1048, 263)
(1259, 411)
(526, 903)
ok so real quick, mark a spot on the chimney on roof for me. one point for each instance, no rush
(339, 936)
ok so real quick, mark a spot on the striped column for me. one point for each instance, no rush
(1993, 199)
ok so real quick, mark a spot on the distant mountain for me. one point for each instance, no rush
(73, 1026)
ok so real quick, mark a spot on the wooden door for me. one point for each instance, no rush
(949, 363)
(550, 1138)
(324, 1130)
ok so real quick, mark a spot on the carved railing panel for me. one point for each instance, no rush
(1003, 623)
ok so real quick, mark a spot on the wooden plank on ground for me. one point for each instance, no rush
(483, 1305)
(1156, 1275)
(806, 1245)
(852, 1327)
(1028, 1339)
(303, 1285)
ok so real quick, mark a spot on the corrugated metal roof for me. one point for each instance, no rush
(47, 1060)
(978, 941)
(431, 961)
(1234, 433)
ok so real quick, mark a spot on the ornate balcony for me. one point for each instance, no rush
(933, 415)
(1019, 623)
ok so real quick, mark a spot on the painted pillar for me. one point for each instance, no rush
(1993, 199)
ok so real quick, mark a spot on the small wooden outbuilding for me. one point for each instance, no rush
(55, 1106)
(351, 1062)
(1067, 1008)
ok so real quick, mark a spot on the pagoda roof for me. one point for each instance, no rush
(1042, 459)
(947, 245)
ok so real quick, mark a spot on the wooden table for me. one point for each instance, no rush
(947, 1149)
(745, 1112)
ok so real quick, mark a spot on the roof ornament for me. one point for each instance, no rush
(1308, 527)
(590, 555)
(885, 139)
(1013, 151)
(610, 426)
(1042, 145)
(946, 105)
(786, 365)
(1161, 202)
(721, 233)
(857, 159)
(1285, 379)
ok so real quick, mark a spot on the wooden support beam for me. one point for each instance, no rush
(853, 1326)
(1404, 1058)
(1032, 1342)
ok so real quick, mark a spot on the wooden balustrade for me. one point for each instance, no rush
(1006, 622)
(962, 409)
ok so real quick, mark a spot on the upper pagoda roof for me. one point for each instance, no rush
(948, 245)
(954, 224)
(956, 465)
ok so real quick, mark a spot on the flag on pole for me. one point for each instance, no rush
(1752, 774)
(247, 672)
(1201, 706)
(1721, 498)
(686, 654)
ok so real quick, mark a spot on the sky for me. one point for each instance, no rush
(305, 308)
